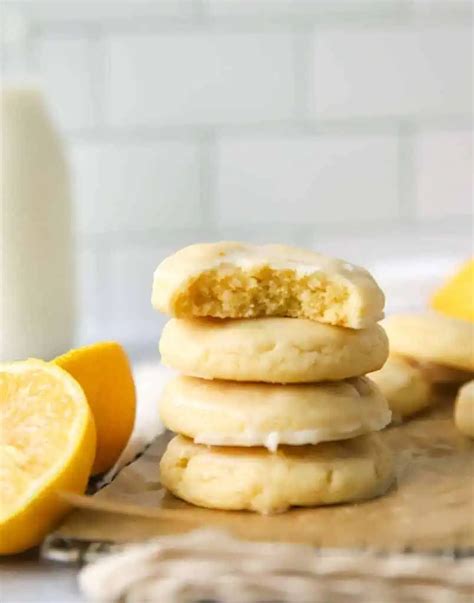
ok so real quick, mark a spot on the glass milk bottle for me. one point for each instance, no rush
(36, 247)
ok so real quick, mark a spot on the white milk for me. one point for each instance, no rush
(36, 251)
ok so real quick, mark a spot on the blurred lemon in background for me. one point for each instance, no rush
(103, 371)
(47, 446)
(456, 297)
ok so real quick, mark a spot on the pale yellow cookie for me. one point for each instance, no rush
(237, 280)
(432, 338)
(258, 480)
(464, 409)
(273, 350)
(439, 374)
(225, 413)
(405, 386)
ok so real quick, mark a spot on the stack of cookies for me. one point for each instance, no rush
(273, 407)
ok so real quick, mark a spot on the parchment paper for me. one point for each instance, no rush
(430, 508)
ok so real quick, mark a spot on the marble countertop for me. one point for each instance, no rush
(27, 579)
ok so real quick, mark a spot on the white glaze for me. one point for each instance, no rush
(259, 258)
(271, 440)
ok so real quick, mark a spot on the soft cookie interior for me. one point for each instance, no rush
(232, 292)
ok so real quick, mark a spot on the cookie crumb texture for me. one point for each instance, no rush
(234, 293)
(241, 281)
(255, 480)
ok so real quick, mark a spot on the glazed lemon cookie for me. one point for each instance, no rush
(236, 280)
(405, 386)
(464, 409)
(257, 480)
(432, 338)
(273, 350)
(224, 413)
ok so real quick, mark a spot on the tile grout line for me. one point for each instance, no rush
(199, 17)
(103, 266)
(287, 128)
(199, 11)
(98, 242)
(302, 72)
(207, 180)
(97, 67)
(406, 172)
(32, 51)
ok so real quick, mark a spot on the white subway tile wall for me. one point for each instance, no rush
(444, 168)
(315, 179)
(312, 122)
(199, 77)
(92, 282)
(131, 271)
(404, 71)
(63, 68)
(136, 186)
